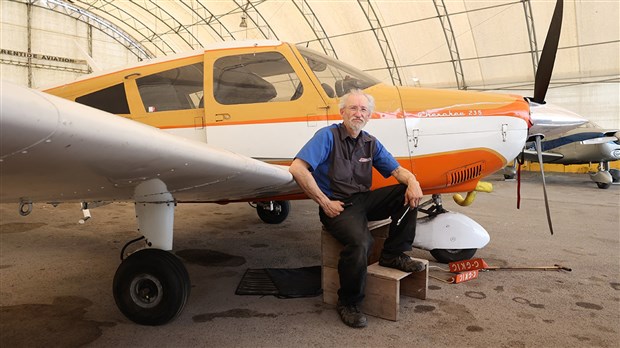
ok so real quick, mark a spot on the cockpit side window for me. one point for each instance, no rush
(254, 78)
(336, 76)
(180, 88)
(111, 99)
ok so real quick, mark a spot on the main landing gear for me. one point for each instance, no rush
(152, 285)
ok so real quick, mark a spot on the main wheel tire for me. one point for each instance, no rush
(275, 216)
(151, 287)
(452, 255)
(603, 185)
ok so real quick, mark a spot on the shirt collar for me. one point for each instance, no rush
(342, 130)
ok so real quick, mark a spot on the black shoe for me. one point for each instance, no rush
(402, 262)
(351, 315)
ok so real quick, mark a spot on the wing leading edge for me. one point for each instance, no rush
(55, 150)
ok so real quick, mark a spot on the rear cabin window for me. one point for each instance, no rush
(254, 78)
(112, 99)
(175, 89)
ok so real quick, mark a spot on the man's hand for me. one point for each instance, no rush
(333, 208)
(414, 193)
(305, 180)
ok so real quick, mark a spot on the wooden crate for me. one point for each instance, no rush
(383, 285)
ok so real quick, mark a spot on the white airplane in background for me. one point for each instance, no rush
(222, 124)
(586, 144)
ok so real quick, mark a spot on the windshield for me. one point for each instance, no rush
(336, 75)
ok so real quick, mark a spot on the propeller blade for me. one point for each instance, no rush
(542, 171)
(547, 57)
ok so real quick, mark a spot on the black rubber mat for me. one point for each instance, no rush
(281, 282)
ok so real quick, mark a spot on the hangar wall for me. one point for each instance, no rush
(52, 51)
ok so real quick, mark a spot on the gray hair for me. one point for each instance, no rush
(345, 98)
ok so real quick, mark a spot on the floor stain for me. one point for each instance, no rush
(589, 305)
(499, 288)
(423, 309)
(434, 287)
(478, 295)
(18, 227)
(615, 286)
(61, 324)
(233, 313)
(581, 338)
(5, 266)
(455, 315)
(522, 300)
(528, 316)
(210, 258)
(474, 328)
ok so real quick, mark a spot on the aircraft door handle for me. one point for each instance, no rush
(414, 137)
(222, 117)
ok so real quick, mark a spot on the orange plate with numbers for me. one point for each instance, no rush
(465, 276)
(467, 265)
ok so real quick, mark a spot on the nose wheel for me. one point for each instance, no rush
(273, 212)
(151, 287)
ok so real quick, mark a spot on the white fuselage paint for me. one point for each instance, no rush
(503, 135)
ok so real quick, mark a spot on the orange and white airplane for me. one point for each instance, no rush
(222, 124)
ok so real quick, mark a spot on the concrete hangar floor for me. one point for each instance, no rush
(56, 278)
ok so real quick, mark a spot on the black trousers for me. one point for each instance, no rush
(351, 229)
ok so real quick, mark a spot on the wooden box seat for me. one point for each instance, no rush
(383, 285)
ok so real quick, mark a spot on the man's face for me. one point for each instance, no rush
(355, 113)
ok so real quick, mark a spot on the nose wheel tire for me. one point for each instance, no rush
(452, 255)
(151, 287)
(603, 185)
(273, 214)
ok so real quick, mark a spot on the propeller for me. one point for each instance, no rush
(547, 57)
(541, 85)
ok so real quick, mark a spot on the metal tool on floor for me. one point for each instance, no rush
(467, 270)
(480, 264)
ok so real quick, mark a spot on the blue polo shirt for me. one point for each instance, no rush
(342, 165)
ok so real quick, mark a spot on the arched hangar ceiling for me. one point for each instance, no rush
(431, 43)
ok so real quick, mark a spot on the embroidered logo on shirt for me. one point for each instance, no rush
(365, 159)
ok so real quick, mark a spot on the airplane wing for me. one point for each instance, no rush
(55, 150)
(548, 157)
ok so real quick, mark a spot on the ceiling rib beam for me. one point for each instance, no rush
(169, 21)
(382, 40)
(93, 20)
(121, 16)
(531, 32)
(455, 58)
(206, 17)
(304, 7)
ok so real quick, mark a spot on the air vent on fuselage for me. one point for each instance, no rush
(464, 174)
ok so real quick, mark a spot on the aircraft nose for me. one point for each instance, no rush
(552, 120)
